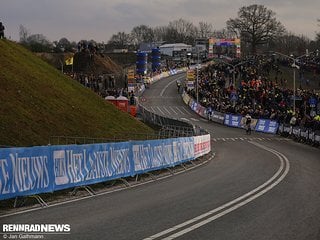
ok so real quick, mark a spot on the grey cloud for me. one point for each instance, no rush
(99, 19)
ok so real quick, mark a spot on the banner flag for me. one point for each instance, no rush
(69, 61)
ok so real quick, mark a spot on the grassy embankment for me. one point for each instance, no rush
(38, 102)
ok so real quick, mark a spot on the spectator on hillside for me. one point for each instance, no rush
(1, 31)
(131, 99)
(111, 81)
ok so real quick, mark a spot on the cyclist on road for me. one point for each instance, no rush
(248, 124)
(178, 85)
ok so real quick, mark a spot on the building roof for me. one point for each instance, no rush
(172, 45)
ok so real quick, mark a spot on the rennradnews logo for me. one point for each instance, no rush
(36, 228)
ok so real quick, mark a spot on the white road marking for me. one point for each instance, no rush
(186, 110)
(145, 107)
(160, 111)
(173, 110)
(203, 120)
(232, 205)
(185, 119)
(179, 110)
(193, 119)
(153, 110)
(167, 110)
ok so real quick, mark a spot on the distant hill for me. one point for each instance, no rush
(37, 102)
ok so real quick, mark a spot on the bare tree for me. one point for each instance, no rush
(142, 33)
(120, 40)
(223, 33)
(205, 30)
(65, 45)
(182, 31)
(38, 43)
(256, 25)
(290, 43)
(23, 33)
(318, 34)
(34, 42)
(159, 33)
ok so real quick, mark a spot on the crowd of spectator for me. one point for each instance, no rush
(103, 85)
(256, 94)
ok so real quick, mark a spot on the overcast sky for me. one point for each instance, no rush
(99, 19)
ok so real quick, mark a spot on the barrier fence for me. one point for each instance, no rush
(153, 118)
(306, 135)
(34, 170)
(231, 120)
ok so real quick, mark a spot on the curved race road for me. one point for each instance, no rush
(256, 187)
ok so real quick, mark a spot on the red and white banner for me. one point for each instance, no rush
(202, 145)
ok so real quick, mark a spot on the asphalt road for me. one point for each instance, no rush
(256, 187)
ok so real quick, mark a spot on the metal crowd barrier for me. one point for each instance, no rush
(180, 128)
(305, 135)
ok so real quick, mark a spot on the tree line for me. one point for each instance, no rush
(256, 25)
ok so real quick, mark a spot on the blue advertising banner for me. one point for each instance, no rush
(25, 171)
(191, 102)
(193, 105)
(87, 164)
(232, 120)
(157, 154)
(217, 117)
(267, 126)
